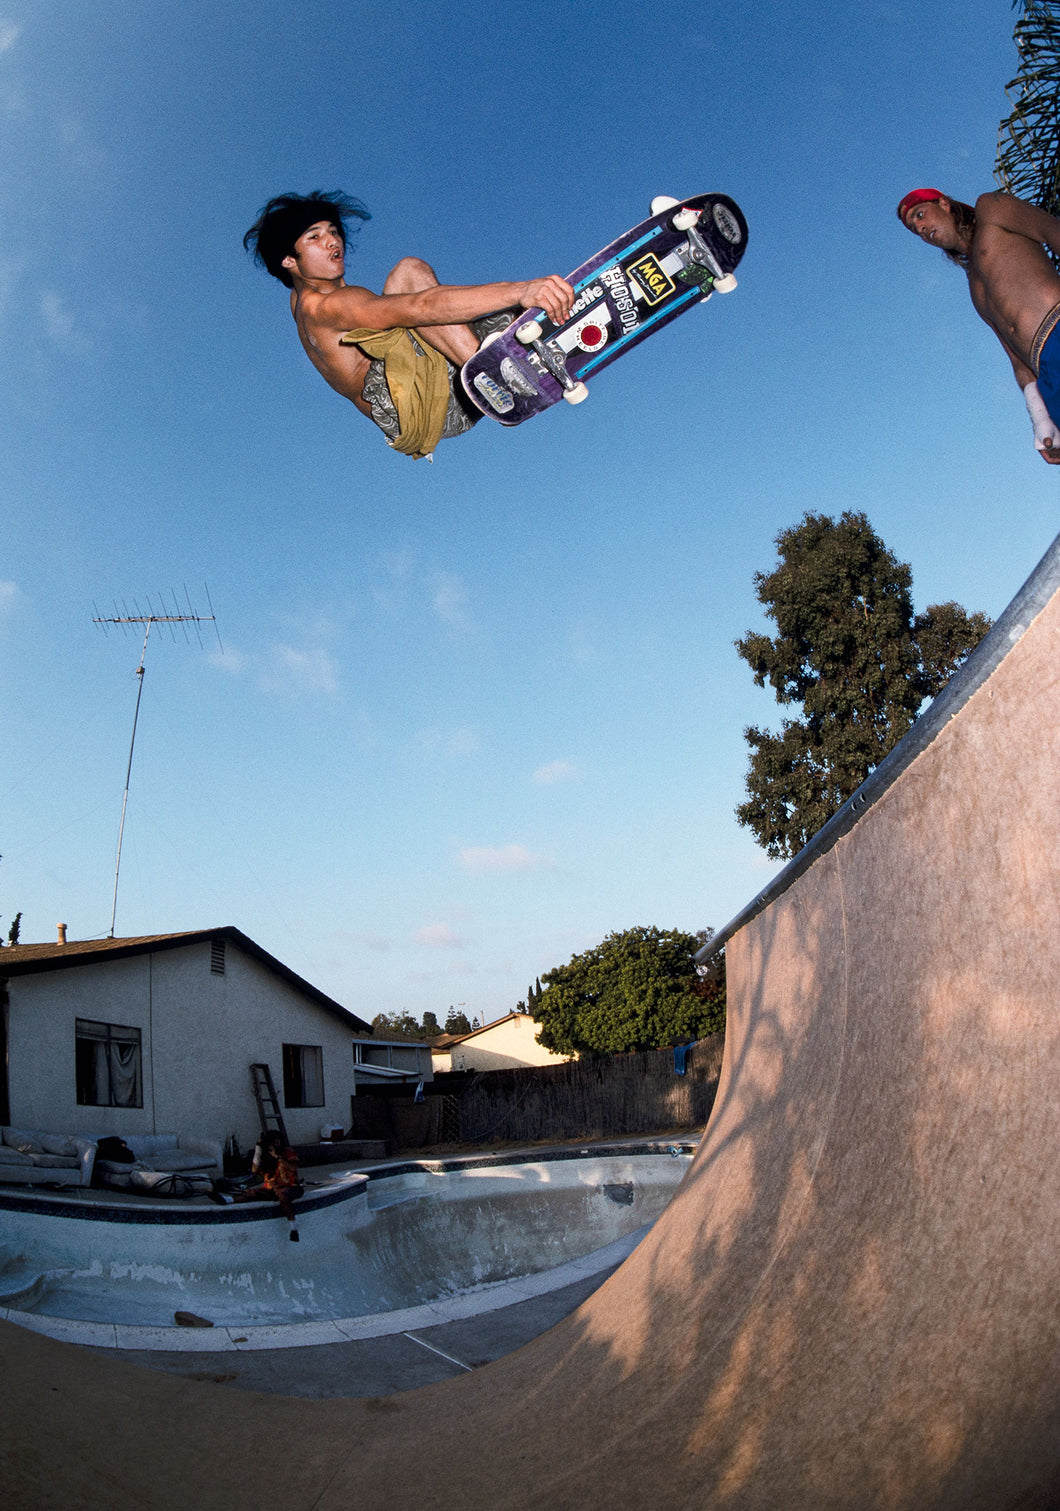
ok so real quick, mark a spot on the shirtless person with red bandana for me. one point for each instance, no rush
(1014, 287)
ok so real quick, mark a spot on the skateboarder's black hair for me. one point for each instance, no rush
(272, 236)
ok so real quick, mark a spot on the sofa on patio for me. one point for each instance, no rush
(159, 1153)
(29, 1157)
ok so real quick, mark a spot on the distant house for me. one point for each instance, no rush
(157, 1034)
(506, 1044)
(381, 1062)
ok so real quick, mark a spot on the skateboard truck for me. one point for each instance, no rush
(530, 335)
(700, 253)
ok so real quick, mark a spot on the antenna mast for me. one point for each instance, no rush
(124, 621)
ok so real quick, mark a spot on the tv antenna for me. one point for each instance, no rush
(124, 620)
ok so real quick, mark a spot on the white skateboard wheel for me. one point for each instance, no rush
(529, 332)
(725, 285)
(493, 336)
(684, 219)
(576, 394)
(663, 202)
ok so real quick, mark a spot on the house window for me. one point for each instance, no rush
(217, 956)
(107, 1065)
(303, 1075)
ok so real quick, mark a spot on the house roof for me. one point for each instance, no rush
(30, 959)
(448, 1040)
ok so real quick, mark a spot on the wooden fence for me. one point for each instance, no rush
(611, 1097)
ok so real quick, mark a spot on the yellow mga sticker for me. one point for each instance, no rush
(651, 278)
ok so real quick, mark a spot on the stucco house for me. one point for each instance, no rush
(506, 1044)
(157, 1034)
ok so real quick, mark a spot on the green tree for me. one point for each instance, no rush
(16, 925)
(457, 1023)
(637, 990)
(850, 651)
(431, 1027)
(396, 1026)
(533, 997)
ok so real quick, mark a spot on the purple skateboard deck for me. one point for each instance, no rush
(624, 294)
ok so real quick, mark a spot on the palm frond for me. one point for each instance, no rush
(1028, 148)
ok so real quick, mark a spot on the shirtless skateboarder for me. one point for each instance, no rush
(394, 355)
(1014, 287)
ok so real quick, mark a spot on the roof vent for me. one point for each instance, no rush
(62, 933)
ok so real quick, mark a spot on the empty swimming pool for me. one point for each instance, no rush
(399, 1237)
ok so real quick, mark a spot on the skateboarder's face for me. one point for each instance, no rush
(934, 223)
(318, 253)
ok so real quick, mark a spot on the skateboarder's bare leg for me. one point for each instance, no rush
(457, 342)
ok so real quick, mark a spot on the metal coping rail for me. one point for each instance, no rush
(1010, 627)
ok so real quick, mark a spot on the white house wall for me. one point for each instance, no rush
(200, 1034)
(41, 1079)
(504, 1046)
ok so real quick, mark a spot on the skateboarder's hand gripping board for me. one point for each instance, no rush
(677, 258)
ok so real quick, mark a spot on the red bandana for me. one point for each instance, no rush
(916, 197)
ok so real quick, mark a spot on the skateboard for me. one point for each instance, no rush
(684, 252)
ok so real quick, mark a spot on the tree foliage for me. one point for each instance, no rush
(637, 990)
(532, 998)
(457, 1023)
(1028, 145)
(850, 651)
(396, 1026)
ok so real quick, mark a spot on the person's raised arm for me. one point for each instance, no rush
(351, 307)
(1018, 216)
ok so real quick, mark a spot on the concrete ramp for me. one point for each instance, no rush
(853, 1301)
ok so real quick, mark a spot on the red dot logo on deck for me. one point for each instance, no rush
(591, 337)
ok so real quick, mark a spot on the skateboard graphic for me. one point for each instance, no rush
(656, 271)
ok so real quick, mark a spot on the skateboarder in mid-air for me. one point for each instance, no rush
(1014, 287)
(394, 355)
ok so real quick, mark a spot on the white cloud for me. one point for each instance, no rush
(229, 660)
(583, 643)
(9, 35)
(483, 860)
(60, 324)
(451, 742)
(309, 671)
(377, 942)
(439, 936)
(555, 771)
(57, 321)
(449, 600)
(10, 594)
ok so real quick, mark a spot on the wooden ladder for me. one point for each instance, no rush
(268, 1102)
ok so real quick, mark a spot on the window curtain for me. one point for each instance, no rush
(312, 1076)
(108, 1057)
(124, 1074)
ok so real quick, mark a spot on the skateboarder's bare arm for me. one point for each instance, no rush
(1011, 280)
(1018, 216)
(1045, 432)
(351, 307)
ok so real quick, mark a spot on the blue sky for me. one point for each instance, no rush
(473, 715)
